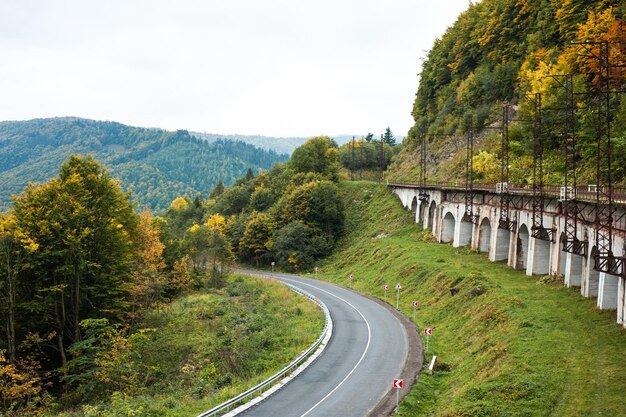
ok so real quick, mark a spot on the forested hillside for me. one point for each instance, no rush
(156, 165)
(506, 51)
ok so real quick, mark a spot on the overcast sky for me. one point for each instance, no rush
(270, 67)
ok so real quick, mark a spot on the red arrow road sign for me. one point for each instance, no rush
(428, 331)
(349, 276)
(385, 287)
(398, 383)
(416, 304)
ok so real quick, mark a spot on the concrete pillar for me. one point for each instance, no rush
(427, 223)
(607, 291)
(501, 242)
(562, 261)
(448, 228)
(539, 257)
(413, 204)
(484, 236)
(573, 270)
(590, 279)
(437, 222)
(464, 235)
(521, 255)
(418, 211)
(555, 249)
(621, 302)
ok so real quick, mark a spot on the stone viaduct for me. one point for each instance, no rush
(443, 209)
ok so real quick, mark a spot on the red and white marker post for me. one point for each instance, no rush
(428, 332)
(398, 384)
(415, 305)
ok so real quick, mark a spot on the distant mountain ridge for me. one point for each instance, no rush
(277, 144)
(155, 164)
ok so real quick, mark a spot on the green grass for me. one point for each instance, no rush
(208, 347)
(525, 347)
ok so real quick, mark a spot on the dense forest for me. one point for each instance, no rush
(153, 164)
(291, 215)
(81, 273)
(508, 51)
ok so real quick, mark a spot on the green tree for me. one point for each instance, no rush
(297, 246)
(317, 204)
(83, 225)
(318, 155)
(218, 190)
(233, 201)
(256, 241)
(388, 137)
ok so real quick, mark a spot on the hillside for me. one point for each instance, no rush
(505, 51)
(156, 165)
(524, 346)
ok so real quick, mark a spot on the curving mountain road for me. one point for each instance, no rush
(368, 349)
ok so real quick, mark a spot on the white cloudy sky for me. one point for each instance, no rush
(270, 67)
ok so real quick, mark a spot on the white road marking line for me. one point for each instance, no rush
(369, 338)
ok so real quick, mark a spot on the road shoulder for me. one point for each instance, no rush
(412, 366)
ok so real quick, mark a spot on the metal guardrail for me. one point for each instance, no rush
(241, 398)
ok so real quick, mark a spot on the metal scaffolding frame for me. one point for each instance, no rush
(469, 215)
(538, 230)
(604, 257)
(423, 195)
(505, 222)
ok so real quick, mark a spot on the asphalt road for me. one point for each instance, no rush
(367, 351)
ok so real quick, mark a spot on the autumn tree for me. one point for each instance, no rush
(256, 241)
(148, 278)
(22, 382)
(208, 249)
(84, 225)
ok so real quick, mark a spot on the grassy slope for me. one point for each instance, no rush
(526, 347)
(209, 347)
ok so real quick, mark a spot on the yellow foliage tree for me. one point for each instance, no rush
(216, 222)
(148, 277)
(487, 166)
(179, 203)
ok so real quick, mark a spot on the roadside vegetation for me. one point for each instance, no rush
(507, 344)
(193, 354)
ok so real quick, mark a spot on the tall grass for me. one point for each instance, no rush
(208, 347)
